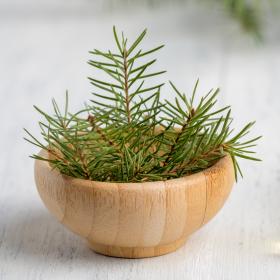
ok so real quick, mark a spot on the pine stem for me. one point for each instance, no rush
(174, 144)
(94, 126)
(192, 113)
(70, 145)
(194, 161)
(136, 173)
(151, 134)
(82, 157)
(59, 157)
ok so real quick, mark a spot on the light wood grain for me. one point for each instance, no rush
(135, 220)
(136, 252)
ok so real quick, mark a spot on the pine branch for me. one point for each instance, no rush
(123, 139)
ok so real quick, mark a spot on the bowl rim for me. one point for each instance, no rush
(45, 167)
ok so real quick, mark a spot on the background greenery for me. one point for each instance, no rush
(249, 13)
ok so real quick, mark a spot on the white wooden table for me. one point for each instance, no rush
(44, 52)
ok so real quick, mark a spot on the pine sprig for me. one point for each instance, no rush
(123, 139)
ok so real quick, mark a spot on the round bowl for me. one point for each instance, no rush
(135, 220)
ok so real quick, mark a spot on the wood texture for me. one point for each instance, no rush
(136, 252)
(135, 220)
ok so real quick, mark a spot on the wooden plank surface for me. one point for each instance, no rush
(42, 55)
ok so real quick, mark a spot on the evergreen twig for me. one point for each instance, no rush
(124, 140)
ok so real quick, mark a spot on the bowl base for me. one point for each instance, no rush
(136, 252)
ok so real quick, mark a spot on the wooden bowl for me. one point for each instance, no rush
(135, 220)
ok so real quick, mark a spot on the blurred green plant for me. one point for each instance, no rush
(249, 13)
(123, 138)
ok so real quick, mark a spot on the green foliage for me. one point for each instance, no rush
(250, 14)
(123, 138)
